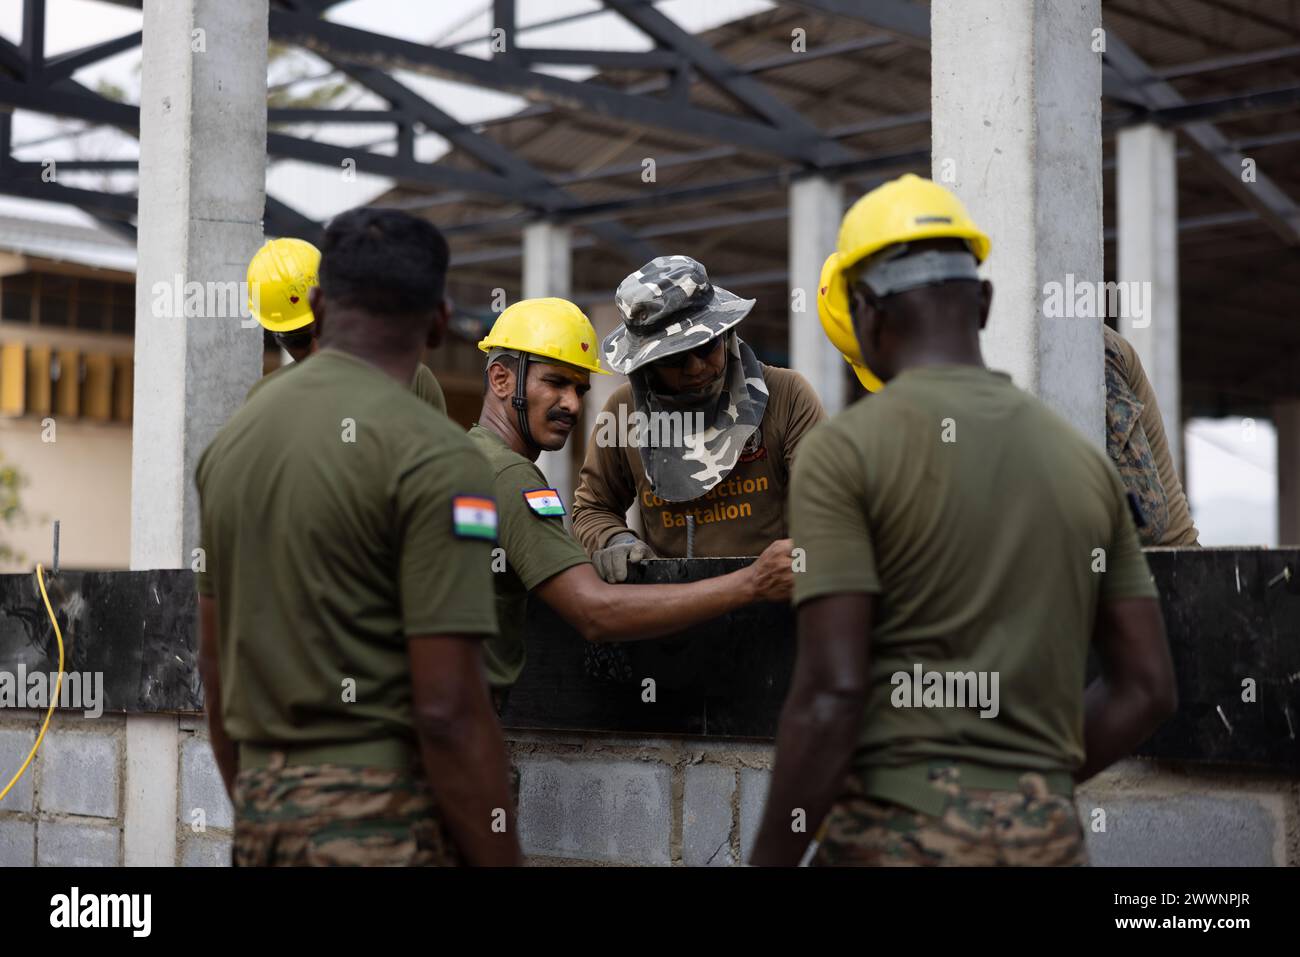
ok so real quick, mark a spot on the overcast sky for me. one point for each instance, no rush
(1231, 466)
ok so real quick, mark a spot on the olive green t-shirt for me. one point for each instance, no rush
(981, 521)
(331, 534)
(424, 385)
(536, 544)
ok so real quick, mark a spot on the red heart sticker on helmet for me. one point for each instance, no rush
(584, 347)
(293, 298)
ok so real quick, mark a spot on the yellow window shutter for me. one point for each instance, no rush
(38, 380)
(97, 390)
(13, 378)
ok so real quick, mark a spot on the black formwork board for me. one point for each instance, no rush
(1231, 615)
(136, 628)
(727, 677)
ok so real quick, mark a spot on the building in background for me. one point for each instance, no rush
(67, 325)
(529, 184)
(67, 334)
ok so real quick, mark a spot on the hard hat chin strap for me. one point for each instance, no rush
(520, 399)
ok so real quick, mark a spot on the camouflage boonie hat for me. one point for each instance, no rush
(669, 306)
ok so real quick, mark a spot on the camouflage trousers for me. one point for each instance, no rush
(330, 815)
(978, 828)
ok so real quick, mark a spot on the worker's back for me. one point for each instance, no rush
(983, 522)
(306, 495)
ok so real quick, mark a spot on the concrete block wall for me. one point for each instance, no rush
(611, 800)
(607, 800)
(205, 819)
(69, 808)
(1163, 814)
(602, 800)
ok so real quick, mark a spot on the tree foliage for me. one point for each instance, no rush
(11, 509)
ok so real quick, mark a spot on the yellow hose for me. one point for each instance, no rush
(58, 686)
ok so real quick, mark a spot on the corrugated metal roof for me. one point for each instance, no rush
(1241, 344)
(63, 242)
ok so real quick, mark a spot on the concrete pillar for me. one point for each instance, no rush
(1286, 420)
(1147, 206)
(547, 272)
(202, 176)
(152, 781)
(1015, 97)
(816, 206)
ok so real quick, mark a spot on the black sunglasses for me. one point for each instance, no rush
(703, 351)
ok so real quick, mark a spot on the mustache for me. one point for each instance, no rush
(556, 416)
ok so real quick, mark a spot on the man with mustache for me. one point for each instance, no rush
(718, 481)
(541, 354)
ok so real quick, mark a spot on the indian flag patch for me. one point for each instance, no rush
(544, 501)
(474, 517)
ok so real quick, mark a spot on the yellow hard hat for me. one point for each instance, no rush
(549, 329)
(904, 210)
(833, 310)
(279, 277)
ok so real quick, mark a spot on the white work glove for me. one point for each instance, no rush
(611, 561)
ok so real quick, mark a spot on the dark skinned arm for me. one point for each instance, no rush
(223, 749)
(820, 723)
(1136, 692)
(604, 612)
(461, 745)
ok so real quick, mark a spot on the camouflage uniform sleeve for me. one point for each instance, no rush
(1128, 447)
(1179, 529)
(605, 490)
